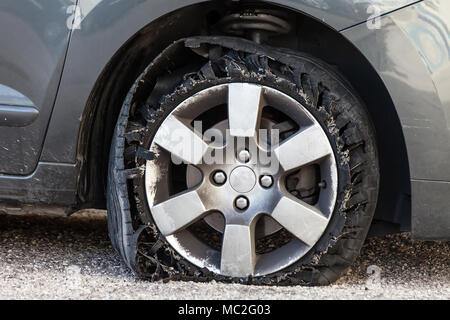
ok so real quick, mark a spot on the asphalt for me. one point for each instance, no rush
(49, 257)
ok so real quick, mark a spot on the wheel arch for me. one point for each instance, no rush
(98, 120)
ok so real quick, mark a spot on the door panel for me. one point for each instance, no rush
(34, 36)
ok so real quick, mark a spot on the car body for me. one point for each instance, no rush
(67, 65)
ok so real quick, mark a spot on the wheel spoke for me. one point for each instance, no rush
(238, 251)
(181, 141)
(302, 220)
(244, 109)
(178, 212)
(305, 147)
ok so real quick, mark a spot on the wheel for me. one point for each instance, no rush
(244, 163)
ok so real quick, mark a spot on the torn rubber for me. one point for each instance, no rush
(207, 61)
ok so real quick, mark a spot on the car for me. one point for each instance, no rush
(255, 142)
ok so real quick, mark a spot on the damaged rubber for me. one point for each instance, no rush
(191, 65)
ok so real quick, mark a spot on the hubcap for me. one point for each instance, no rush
(247, 196)
(242, 179)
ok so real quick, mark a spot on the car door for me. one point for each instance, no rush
(34, 35)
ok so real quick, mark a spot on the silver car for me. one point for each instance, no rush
(256, 142)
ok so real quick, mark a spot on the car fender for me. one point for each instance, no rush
(105, 26)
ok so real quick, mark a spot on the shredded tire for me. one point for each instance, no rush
(198, 63)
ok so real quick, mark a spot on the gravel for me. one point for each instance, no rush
(49, 257)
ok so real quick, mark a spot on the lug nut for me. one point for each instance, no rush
(266, 181)
(219, 177)
(244, 156)
(241, 203)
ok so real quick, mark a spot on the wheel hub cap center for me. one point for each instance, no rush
(242, 179)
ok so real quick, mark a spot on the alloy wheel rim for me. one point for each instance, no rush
(244, 194)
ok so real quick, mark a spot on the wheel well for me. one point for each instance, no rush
(308, 35)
